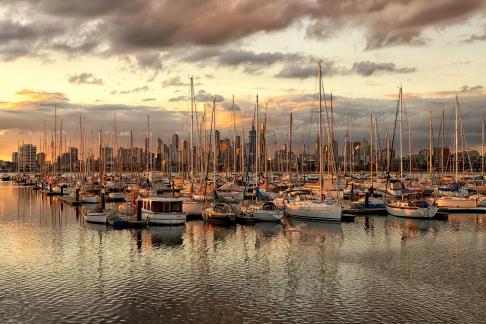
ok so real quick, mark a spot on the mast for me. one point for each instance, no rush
(289, 157)
(101, 160)
(351, 148)
(410, 153)
(430, 147)
(214, 143)
(131, 153)
(234, 136)
(265, 152)
(378, 148)
(60, 149)
(55, 139)
(45, 148)
(456, 138)
(442, 125)
(257, 149)
(191, 145)
(371, 148)
(319, 73)
(401, 143)
(148, 144)
(482, 149)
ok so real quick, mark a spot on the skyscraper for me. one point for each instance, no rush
(27, 157)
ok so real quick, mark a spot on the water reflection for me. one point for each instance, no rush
(165, 235)
(57, 268)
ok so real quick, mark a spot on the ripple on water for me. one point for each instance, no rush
(55, 268)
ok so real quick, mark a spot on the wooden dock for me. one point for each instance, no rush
(347, 217)
(365, 211)
(477, 210)
(50, 193)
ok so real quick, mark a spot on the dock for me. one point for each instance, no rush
(477, 210)
(365, 211)
(50, 193)
(347, 217)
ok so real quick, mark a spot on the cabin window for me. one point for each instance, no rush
(160, 207)
(176, 206)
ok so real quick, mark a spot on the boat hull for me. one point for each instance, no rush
(164, 218)
(455, 202)
(92, 217)
(411, 212)
(314, 212)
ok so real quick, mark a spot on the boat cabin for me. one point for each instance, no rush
(162, 205)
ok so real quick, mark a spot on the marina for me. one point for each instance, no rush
(358, 270)
(242, 161)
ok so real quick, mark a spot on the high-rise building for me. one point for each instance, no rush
(27, 157)
(41, 159)
(440, 158)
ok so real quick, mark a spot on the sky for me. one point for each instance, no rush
(133, 58)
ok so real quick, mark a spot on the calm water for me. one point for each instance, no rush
(56, 268)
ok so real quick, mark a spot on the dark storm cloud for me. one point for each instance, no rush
(85, 78)
(368, 68)
(132, 26)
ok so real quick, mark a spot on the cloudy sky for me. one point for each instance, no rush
(134, 57)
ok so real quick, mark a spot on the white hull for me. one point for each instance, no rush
(163, 218)
(456, 202)
(417, 212)
(314, 210)
(92, 217)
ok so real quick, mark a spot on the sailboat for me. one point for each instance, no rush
(408, 205)
(457, 201)
(99, 215)
(217, 212)
(259, 211)
(317, 209)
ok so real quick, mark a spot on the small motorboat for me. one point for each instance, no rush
(163, 211)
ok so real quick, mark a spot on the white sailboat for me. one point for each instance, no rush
(316, 209)
(408, 205)
(99, 215)
(413, 209)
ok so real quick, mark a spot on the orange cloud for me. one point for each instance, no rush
(41, 96)
(32, 98)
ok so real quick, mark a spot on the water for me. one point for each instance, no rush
(55, 268)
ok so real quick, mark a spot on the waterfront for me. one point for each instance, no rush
(56, 268)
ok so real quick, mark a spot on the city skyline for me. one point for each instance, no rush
(81, 58)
